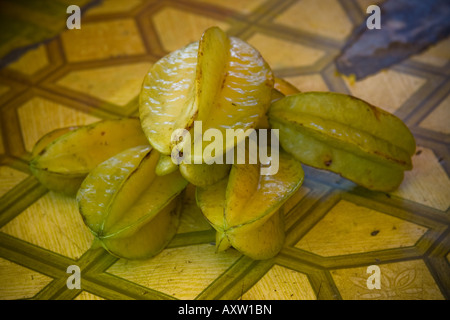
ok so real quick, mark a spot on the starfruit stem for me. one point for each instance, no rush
(222, 242)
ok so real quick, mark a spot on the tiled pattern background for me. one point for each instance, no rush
(334, 229)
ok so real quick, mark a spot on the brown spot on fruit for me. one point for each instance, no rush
(224, 80)
(375, 110)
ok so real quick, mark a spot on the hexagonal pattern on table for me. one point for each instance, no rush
(103, 40)
(18, 282)
(288, 55)
(438, 55)
(173, 268)
(244, 7)
(55, 114)
(387, 90)
(308, 82)
(280, 283)
(117, 84)
(335, 230)
(31, 62)
(50, 213)
(176, 27)
(439, 118)
(348, 229)
(408, 280)
(324, 18)
(10, 177)
(85, 295)
(428, 183)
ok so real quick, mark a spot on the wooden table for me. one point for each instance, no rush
(335, 230)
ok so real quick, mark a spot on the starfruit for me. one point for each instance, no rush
(204, 174)
(285, 87)
(166, 100)
(48, 138)
(244, 207)
(220, 81)
(345, 135)
(130, 210)
(63, 158)
(165, 165)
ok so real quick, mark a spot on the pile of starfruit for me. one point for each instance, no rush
(129, 175)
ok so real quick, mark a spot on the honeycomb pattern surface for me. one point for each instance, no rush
(335, 230)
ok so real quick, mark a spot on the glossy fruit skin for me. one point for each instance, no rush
(165, 165)
(48, 138)
(285, 87)
(221, 81)
(345, 135)
(130, 210)
(167, 96)
(66, 160)
(151, 238)
(233, 91)
(243, 208)
(281, 88)
(203, 175)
